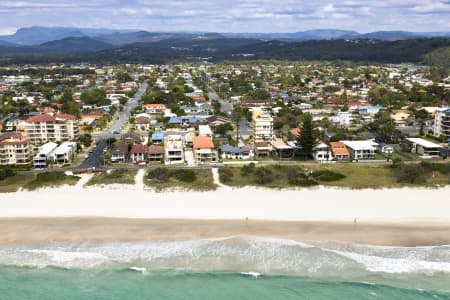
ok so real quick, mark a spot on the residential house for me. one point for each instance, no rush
(138, 154)
(45, 155)
(65, 153)
(132, 137)
(204, 150)
(262, 149)
(157, 137)
(339, 151)
(174, 152)
(231, 152)
(14, 149)
(154, 109)
(142, 122)
(155, 153)
(342, 118)
(281, 149)
(424, 147)
(400, 117)
(361, 149)
(215, 121)
(322, 152)
(119, 152)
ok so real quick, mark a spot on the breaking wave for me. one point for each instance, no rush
(245, 255)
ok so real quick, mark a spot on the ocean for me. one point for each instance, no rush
(227, 268)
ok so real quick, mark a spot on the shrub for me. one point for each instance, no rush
(248, 169)
(185, 175)
(226, 174)
(6, 172)
(413, 174)
(327, 175)
(263, 175)
(159, 174)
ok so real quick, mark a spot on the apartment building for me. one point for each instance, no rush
(441, 126)
(45, 155)
(45, 128)
(262, 126)
(361, 149)
(174, 152)
(65, 153)
(14, 149)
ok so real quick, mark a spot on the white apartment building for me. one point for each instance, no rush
(174, 152)
(262, 126)
(65, 153)
(441, 126)
(45, 128)
(45, 155)
(14, 149)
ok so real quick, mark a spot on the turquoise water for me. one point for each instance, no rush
(229, 268)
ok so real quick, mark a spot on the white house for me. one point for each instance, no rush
(45, 154)
(343, 118)
(322, 152)
(361, 149)
(424, 147)
(65, 153)
(173, 146)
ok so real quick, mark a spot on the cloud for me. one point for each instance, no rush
(230, 15)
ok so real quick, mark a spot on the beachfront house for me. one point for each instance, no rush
(157, 138)
(361, 149)
(424, 147)
(339, 151)
(65, 153)
(45, 155)
(155, 153)
(322, 152)
(204, 150)
(174, 152)
(138, 154)
(119, 153)
(230, 152)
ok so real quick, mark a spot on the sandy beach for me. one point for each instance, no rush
(100, 230)
(120, 213)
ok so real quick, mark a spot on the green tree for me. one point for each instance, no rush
(307, 137)
(237, 115)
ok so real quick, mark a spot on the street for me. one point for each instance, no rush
(92, 161)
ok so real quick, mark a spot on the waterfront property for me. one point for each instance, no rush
(45, 155)
(14, 149)
(424, 147)
(361, 149)
(204, 150)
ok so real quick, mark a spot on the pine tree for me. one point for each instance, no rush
(307, 140)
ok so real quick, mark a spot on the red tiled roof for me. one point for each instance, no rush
(138, 148)
(337, 145)
(66, 117)
(154, 149)
(202, 142)
(41, 118)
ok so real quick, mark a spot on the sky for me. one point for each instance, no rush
(228, 15)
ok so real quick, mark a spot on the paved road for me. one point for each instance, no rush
(92, 161)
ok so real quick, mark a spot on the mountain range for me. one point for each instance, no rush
(64, 44)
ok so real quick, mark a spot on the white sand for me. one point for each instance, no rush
(321, 204)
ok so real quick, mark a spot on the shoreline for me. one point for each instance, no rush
(26, 231)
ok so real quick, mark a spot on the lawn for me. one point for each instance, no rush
(113, 177)
(186, 179)
(51, 179)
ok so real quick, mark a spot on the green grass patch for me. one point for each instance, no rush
(161, 179)
(51, 179)
(14, 183)
(346, 175)
(113, 177)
